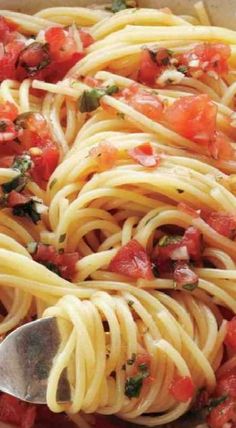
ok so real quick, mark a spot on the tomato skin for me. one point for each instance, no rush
(222, 222)
(183, 275)
(61, 44)
(209, 56)
(193, 117)
(45, 164)
(182, 388)
(15, 412)
(6, 161)
(230, 338)
(145, 155)
(142, 101)
(222, 414)
(9, 59)
(226, 384)
(105, 155)
(192, 239)
(132, 260)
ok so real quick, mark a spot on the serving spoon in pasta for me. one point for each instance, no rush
(32, 348)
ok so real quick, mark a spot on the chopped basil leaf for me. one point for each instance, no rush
(29, 209)
(90, 99)
(180, 191)
(169, 239)
(131, 303)
(120, 115)
(133, 386)
(62, 238)
(21, 164)
(52, 267)
(53, 182)
(143, 368)
(182, 69)
(118, 5)
(214, 402)
(190, 287)
(18, 183)
(37, 51)
(131, 360)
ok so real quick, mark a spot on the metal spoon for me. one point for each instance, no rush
(26, 358)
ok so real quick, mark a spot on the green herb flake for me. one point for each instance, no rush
(190, 287)
(169, 239)
(22, 164)
(62, 238)
(90, 99)
(214, 402)
(180, 190)
(29, 209)
(131, 303)
(118, 5)
(182, 69)
(52, 267)
(133, 385)
(120, 115)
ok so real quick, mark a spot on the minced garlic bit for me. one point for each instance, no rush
(35, 151)
(170, 76)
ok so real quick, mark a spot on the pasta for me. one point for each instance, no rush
(117, 174)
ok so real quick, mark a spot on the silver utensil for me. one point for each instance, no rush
(26, 358)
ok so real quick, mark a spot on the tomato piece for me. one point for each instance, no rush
(62, 45)
(194, 117)
(142, 101)
(145, 155)
(6, 161)
(9, 59)
(207, 57)
(67, 264)
(182, 388)
(86, 38)
(32, 59)
(92, 82)
(45, 252)
(230, 338)
(13, 411)
(193, 241)
(184, 276)
(105, 155)
(132, 260)
(45, 164)
(8, 110)
(220, 147)
(222, 222)
(5, 28)
(16, 198)
(226, 384)
(182, 206)
(222, 414)
(148, 70)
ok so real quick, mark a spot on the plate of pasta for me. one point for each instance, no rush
(118, 210)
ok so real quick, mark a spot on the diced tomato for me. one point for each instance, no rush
(32, 59)
(222, 414)
(207, 57)
(9, 59)
(226, 384)
(86, 38)
(8, 110)
(148, 70)
(182, 206)
(6, 27)
(230, 338)
(194, 117)
(193, 241)
(132, 260)
(45, 164)
(145, 155)
(16, 198)
(142, 101)
(13, 411)
(223, 223)
(184, 276)
(62, 45)
(182, 388)
(65, 262)
(105, 155)
(220, 147)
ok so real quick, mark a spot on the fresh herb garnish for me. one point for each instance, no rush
(169, 239)
(130, 303)
(21, 164)
(53, 182)
(214, 402)
(40, 55)
(90, 99)
(28, 209)
(190, 287)
(133, 385)
(180, 191)
(182, 69)
(120, 115)
(118, 5)
(62, 238)
(52, 267)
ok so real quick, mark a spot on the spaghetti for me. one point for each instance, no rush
(118, 201)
